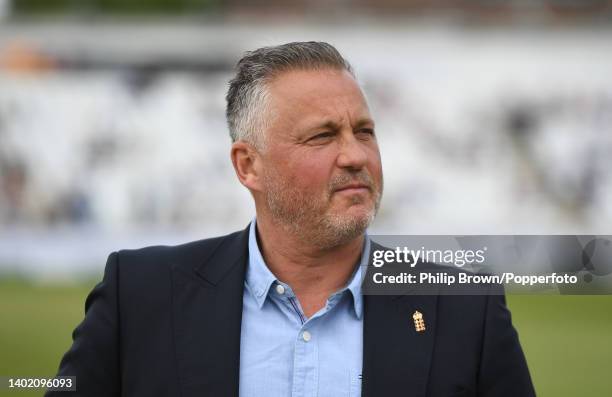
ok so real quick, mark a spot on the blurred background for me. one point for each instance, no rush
(493, 117)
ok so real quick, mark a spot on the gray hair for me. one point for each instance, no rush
(247, 95)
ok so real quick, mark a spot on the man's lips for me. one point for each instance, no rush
(353, 188)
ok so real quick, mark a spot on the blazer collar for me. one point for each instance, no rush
(230, 252)
(207, 316)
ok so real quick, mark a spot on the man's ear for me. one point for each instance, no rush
(247, 164)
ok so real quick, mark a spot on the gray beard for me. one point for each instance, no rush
(302, 217)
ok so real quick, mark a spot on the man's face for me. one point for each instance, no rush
(322, 174)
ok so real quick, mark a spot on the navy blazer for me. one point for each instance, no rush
(165, 321)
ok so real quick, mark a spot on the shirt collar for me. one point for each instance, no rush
(354, 285)
(259, 278)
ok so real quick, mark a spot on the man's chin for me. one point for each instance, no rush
(355, 208)
(357, 216)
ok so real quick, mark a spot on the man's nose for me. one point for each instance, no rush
(352, 153)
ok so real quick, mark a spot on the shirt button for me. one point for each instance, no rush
(280, 289)
(306, 336)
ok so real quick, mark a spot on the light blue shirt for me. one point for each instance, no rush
(284, 354)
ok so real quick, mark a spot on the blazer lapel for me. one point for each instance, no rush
(207, 318)
(396, 356)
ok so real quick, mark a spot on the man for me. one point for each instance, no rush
(277, 309)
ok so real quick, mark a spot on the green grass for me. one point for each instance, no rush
(567, 339)
(36, 327)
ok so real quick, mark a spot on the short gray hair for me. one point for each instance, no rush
(247, 94)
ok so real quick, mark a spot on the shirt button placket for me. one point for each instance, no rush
(305, 377)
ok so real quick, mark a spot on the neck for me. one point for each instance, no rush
(313, 273)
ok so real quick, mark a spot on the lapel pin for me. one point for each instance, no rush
(419, 322)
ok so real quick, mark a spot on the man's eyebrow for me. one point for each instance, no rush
(363, 122)
(332, 125)
(329, 125)
(325, 125)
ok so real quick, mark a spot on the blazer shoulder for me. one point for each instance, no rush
(186, 255)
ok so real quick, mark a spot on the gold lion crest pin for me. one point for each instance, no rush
(419, 321)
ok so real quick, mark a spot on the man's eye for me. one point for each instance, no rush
(366, 132)
(322, 136)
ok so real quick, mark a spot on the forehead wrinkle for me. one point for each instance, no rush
(335, 120)
(358, 117)
(340, 111)
(317, 107)
(316, 113)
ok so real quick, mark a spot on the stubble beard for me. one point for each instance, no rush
(306, 216)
